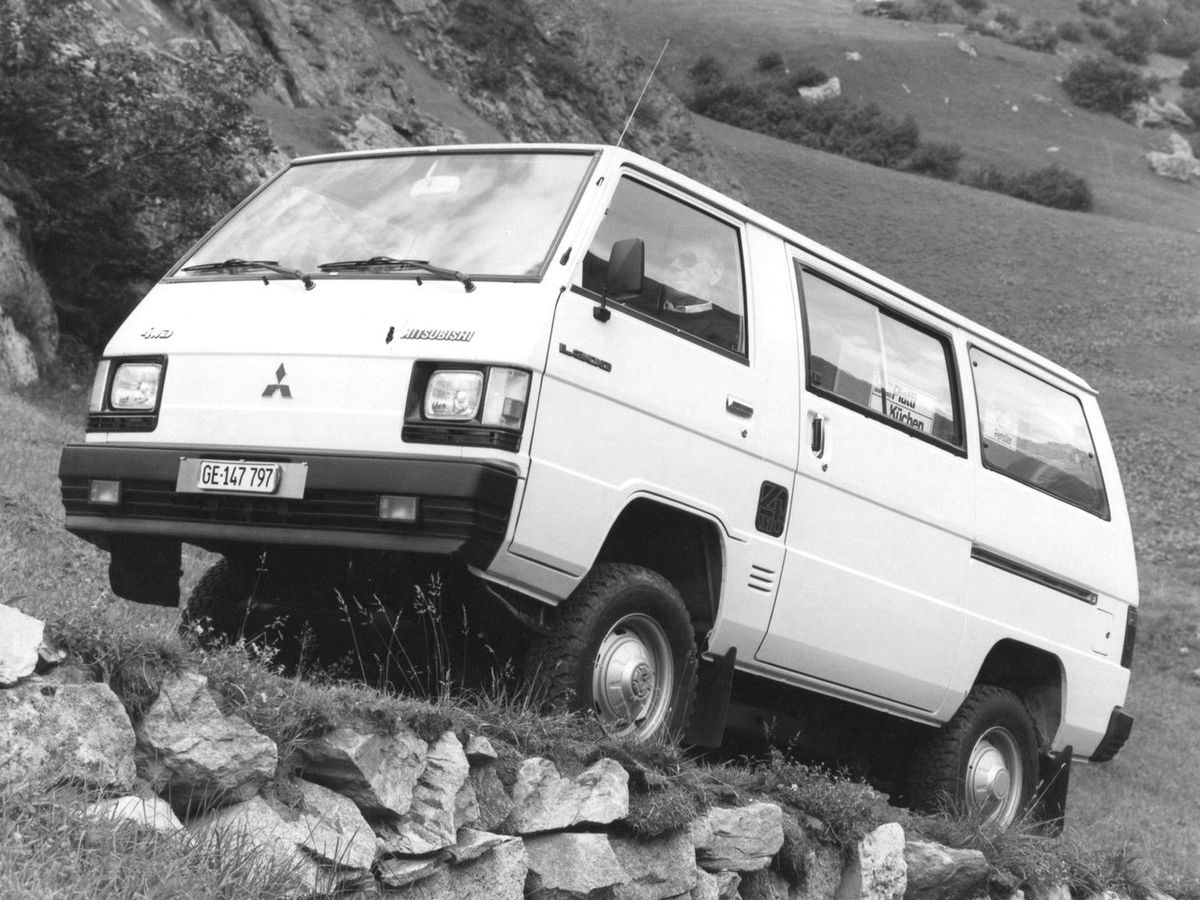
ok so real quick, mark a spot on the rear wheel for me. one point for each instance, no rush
(983, 761)
(622, 647)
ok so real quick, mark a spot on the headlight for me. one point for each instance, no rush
(453, 396)
(135, 387)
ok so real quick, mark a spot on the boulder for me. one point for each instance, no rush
(258, 828)
(655, 868)
(332, 830)
(21, 636)
(431, 820)
(544, 800)
(150, 813)
(939, 873)
(1180, 164)
(195, 756)
(569, 865)
(742, 839)
(68, 732)
(377, 771)
(28, 323)
(822, 865)
(764, 884)
(877, 871)
(1158, 113)
(830, 90)
(491, 799)
(480, 751)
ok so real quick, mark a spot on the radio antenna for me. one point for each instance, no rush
(645, 87)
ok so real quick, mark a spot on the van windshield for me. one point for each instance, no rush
(489, 214)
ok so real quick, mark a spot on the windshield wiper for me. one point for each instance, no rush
(389, 262)
(268, 264)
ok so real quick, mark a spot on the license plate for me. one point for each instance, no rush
(244, 477)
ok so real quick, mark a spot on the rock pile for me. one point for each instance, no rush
(396, 815)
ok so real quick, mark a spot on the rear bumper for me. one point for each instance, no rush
(1120, 724)
(463, 507)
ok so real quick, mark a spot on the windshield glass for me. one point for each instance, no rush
(488, 214)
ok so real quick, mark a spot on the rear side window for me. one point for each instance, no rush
(1036, 433)
(863, 355)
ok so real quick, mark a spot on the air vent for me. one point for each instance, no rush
(762, 580)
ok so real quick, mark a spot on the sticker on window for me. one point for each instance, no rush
(910, 407)
(1001, 428)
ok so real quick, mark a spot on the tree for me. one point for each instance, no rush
(130, 154)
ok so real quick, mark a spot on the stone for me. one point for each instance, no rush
(706, 886)
(483, 865)
(829, 90)
(967, 48)
(377, 771)
(655, 867)
(728, 885)
(430, 822)
(259, 828)
(940, 873)
(491, 799)
(741, 839)
(822, 869)
(763, 884)
(151, 813)
(195, 756)
(466, 807)
(1180, 164)
(28, 322)
(571, 864)
(67, 732)
(333, 830)
(544, 800)
(878, 870)
(20, 638)
(1158, 113)
(480, 751)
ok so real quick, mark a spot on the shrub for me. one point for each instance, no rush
(1098, 9)
(1072, 32)
(1104, 85)
(1040, 37)
(975, 7)
(1190, 77)
(707, 71)
(1130, 46)
(1180, 36)
(808, 76)
(1008, 20)
(1190, 104)
(130, 154)
(1139, 27)
(1052, 186)
(770, 61)
(937, 11)
(936, 159)
(1101, 31)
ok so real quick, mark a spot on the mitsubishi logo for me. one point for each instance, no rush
(283, 389)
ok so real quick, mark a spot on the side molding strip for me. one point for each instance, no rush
(991, 558)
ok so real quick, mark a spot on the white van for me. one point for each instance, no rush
(670, 440)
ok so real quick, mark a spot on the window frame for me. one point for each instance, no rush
(737, 225)
(945, 339)
(1104, 513)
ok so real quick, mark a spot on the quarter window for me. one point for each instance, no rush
(862, 355)
(693, 280)
(1036, 433)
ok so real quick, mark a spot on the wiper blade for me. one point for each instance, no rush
(269, 264)
(390, 262)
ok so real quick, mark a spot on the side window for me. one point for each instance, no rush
(693, 283)
(863, 355)
(1036, 433)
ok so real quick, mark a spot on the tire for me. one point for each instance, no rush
(622, 648)
(983, 762)
(214, 612)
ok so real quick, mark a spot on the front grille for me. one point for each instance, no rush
(121, 422)
(466, 436)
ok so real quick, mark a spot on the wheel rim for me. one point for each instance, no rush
(995, 781)
(633, 677)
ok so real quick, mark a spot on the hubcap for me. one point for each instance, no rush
(633, 677)
(995, 778)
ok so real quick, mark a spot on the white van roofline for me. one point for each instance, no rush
(618, 156)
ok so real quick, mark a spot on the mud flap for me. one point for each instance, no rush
(710, 708)
(1049, 811)
(145, 570)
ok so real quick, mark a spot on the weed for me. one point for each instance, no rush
(1104, 85)
(1051, 186)
(769, 61)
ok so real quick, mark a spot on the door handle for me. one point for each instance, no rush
(738, 408)
(818, 435)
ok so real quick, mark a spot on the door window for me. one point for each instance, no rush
(868, 358)
(1036, 433)
(693, 284)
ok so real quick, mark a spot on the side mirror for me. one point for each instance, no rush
(626, 270)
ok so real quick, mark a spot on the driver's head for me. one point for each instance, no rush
(696, 271)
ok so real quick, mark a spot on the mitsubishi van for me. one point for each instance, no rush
(706, 472)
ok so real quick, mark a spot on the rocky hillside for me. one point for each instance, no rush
(382, 73)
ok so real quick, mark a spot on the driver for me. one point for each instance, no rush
(691, 280)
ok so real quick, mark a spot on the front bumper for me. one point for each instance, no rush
(463, 507)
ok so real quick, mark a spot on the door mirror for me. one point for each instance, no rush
(626, 268)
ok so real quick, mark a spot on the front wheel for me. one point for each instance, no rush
(983, 761)
(622, 647)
